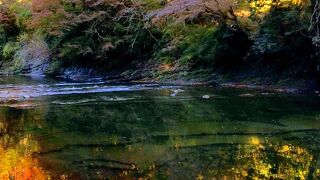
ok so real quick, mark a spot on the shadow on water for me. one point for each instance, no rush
(147, 132)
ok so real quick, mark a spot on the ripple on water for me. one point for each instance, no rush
(14, 92)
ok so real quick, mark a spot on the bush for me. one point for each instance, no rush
(9, 50)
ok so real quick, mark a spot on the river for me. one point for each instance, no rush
(57, 129)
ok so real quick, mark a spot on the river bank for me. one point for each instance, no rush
(154, 71)
(183, 75)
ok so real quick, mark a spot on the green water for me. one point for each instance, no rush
(52, 129)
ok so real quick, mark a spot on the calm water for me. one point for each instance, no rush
(95, 130)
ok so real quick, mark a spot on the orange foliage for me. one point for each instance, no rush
(46, 15)
(43, 6)
(6, 18)
(52, 17)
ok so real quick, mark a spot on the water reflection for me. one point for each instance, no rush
(17, 161)
(151, 134)
(17, 145)
(273, 161)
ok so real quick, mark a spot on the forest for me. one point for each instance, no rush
(274, 41)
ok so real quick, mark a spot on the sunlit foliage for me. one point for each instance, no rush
(264, 6)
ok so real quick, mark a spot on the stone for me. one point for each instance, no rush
(206, 97)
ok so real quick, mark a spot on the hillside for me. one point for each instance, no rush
(254, 41)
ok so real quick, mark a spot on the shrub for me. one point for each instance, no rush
(9, 50)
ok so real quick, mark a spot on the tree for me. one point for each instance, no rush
(201, 11)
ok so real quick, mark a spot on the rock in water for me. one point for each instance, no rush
(206, 97)
(26, 96)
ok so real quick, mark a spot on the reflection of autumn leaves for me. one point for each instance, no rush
(267, 161)
(295, 156)
(17, 162)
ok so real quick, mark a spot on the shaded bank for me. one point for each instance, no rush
(254, 41)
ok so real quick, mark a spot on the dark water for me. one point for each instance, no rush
(53, 129)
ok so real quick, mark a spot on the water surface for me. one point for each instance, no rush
(55, 129)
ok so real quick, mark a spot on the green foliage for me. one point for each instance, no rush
(186, 42)
(9, 49)
(79, 46)
(204, 45)
(199, 45)
(277, 28)
(282, 42)
(99, 40)
(3, 39)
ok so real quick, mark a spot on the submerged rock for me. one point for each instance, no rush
(246, 95)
